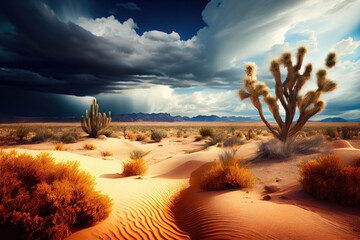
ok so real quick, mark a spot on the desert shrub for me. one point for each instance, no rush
(22, 132)
(107, 133)
(157, 135)
(347, 133)
(89, 146)
(137, 154)
(106, 153)
(331, 133)
(250, 134)
(227, 172)
(206, 132)
(133, 167)
(59, 146)
(275, 149)
(232, 142)
(328, 178)
(41, 199)
(70, 137)
(240, 135)
(140, 137)
(42, 135)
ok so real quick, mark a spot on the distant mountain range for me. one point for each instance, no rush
(152, 117)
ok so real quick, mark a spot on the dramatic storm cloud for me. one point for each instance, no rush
(56, 50)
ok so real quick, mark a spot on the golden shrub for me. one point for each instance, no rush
(41, 199)
(89, 146)
(328, 178)
(134, 167)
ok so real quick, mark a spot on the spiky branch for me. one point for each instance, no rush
(287, 93)
(95, 123)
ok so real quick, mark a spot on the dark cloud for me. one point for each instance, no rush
(129, 5)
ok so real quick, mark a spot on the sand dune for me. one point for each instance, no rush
(167, 203)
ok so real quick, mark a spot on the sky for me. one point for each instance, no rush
(180, 57)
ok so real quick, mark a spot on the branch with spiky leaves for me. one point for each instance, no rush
(287, 93)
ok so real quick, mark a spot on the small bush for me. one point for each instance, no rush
(137, 154)
(206, 132)
(70, 137)
(157, 135)
(59, 146)
(89, 146)
(42, 135)
(41, 199)
(275, 149)
(134, 167)
(106, 153)
(328, 178)
(250, 134)
(140, 137)
(232, 142)
(227, 172)
(22, 132)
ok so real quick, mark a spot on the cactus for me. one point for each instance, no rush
(95, 123)
(287, 93)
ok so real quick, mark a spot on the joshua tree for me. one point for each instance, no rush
(287, 93)
(95, 123)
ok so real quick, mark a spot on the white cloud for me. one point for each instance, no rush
(346, 46)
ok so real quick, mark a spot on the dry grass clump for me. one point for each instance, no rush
(89, 146)
(70, 137)
(140, 137)
(42, 135)
(227, 172)
(59, 146)
(206, 132)
(233, 142)
(41, 199)
(106, 153)
(328, 178)
(275, 149)
(136, 166)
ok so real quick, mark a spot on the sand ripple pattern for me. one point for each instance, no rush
(143, 215)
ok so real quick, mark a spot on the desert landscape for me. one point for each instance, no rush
(203, 119)
(167, 202)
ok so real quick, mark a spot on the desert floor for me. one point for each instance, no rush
(167, 202)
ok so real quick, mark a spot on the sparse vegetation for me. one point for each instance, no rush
(287, 92)
(206, 132)
(328, 178)
(106, 153)
(227, 172)
(22, 132)
(40, 198)
(70, 137)
(276, 149)
(136, 166)
(233, 142)
(59, 146)
(89, 146)
(95, 123)
(42, 135)
(157, 135)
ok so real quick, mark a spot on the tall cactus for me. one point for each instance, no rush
(95, 123)
(287, 93)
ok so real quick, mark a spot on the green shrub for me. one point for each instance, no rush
(41, 199)
(328, 178)
(206, 132)
(227, 172)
